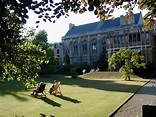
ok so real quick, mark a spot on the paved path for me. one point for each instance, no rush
(145, 96)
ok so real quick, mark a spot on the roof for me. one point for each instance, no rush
(96, 26)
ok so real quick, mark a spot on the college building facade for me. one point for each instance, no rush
(84, 43)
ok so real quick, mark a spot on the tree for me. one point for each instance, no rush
(48, 68)
(102, 62)
(41, 39)
(23, 63)
(41, 36)
(127, 59)
(19, 58)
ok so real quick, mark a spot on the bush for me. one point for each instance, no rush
(79, 68)
(68, 69)
(145, 72)
(73, 72)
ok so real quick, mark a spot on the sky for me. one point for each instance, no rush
(58, 29)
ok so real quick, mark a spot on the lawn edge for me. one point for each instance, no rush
(113, 113)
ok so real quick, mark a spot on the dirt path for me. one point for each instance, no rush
(145, 96)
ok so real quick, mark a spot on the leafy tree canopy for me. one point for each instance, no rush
(127, 60)
(101, 8)
(20, 59)
(23, 63)
(41, 40)
(41, 36)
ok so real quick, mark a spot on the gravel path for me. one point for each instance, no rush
(145, 96)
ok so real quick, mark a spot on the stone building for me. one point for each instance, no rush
(84, 43)
(58, 51)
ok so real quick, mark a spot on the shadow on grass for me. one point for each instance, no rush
(44, 115)
(13, 88)
(107, 85)
(149, 89)
(68, 99)
(49, 101)
(16, 95)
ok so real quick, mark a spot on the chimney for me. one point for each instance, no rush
(71, 26)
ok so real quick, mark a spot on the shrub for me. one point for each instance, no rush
(145, 72)
(80, 67)
(73, 72)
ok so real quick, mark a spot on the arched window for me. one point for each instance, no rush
(94, 46)
(84, 47)
(147, 38)
(104, 42)
(76, 48)
(108, 43)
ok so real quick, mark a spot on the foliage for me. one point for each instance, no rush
(68, 68)
(101, 8)
(50, 66)
(19, 58)
(146, 72)
(82, 66)
(128, 59)
(73, 72)
(41, 39)
(23, 63)
(11, 14)
(102, 62)
(77, 69)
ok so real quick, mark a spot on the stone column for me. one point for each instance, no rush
(79, 50)
(98, 44)
(71, 51)
(145, 53)
(88, 49)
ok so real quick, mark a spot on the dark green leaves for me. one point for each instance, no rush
(126, 60)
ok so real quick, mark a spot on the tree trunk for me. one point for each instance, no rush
(129, 78)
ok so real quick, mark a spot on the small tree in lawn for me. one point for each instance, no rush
(128, 59)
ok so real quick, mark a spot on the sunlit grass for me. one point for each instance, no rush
(82, 97)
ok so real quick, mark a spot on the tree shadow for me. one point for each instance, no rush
(107, 85)
(149, 89)
(13, 88)
(20, 98)
(68, 99)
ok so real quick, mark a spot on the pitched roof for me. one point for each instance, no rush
(96, 26)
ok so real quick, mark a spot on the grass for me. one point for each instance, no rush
(90, 95)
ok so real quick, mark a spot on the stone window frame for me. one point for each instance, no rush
(84, 47)
(94, 46)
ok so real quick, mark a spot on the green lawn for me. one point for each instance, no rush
(82, 97)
